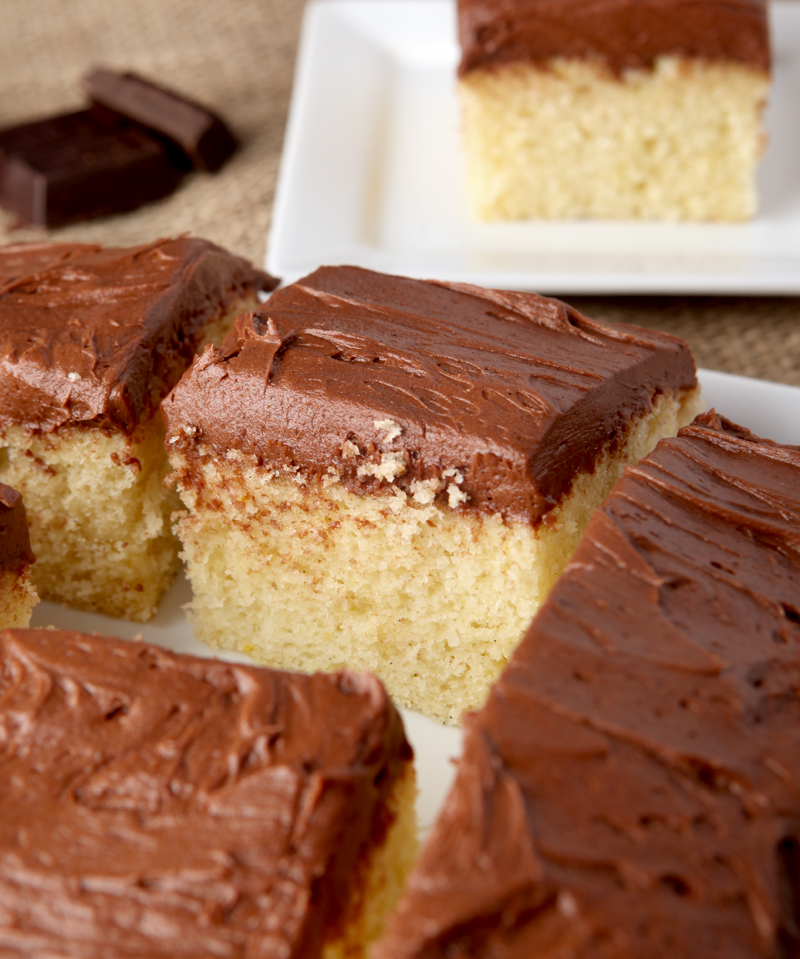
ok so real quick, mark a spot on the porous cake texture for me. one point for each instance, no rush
(390, 473)
(632, 787)
(157, 805)
(613, 108)
(91, 340)
(17, 594)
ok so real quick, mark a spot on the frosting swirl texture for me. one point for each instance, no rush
(632, 787)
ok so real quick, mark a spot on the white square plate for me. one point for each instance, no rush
(372, 175)
(769, 409)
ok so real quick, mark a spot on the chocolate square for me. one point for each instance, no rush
(76, 167)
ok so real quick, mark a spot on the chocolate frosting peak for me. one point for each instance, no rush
(624, 34)
(505, 395)
(100, 335)
(15, 545)
(632, 788)
(164, 806)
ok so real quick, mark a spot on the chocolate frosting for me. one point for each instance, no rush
(15, 546)
(624, 34)
(157, 805)
(632, 788)
(93, 335)
(494, 399)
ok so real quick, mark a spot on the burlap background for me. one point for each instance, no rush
(238, 55)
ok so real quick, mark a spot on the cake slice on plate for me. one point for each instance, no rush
(157, 805)
(390, 473)
(613, 108)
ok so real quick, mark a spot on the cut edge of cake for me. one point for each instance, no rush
(571, 140)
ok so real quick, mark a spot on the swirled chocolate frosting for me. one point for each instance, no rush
(632, 787)
(623, 34)
(93, 335)
(392, 383)
(156, 805)
(15, 546)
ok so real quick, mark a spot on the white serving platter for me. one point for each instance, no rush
(769, 409)
(372, 174)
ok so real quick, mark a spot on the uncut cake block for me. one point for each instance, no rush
(17, 594)
(613, 108)
(632, 787)
(91, 340)
(390, 473)
(157, 805)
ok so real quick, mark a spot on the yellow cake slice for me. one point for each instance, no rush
(616, 109)
(390, 473)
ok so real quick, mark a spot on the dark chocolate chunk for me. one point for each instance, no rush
(76, 167)
(200, 133)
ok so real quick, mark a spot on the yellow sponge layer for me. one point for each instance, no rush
(680, 142)
(17, 599)
(98, 514)
(381, 876)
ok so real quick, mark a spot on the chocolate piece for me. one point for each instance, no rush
(625, 34)
(100, 335)
(168, 806)
(514, 391)
(632, 788)
(75, 167)
(15, 546)
(199, 132)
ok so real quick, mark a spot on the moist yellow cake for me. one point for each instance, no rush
(389, 474)
(91, 340)
(613, 108)
(168, 807)
(17, 593)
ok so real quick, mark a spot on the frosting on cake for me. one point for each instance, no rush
(15, 547)
(632, 788)
(487, 400)
(625, 34)
(167, 806)
(100, 335)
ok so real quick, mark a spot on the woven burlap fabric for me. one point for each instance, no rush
(238, 56)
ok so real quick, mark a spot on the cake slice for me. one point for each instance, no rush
(17, 594)
(632, 787)
(91, 340)
(613, 108)
(389, 473)
(157, 805)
